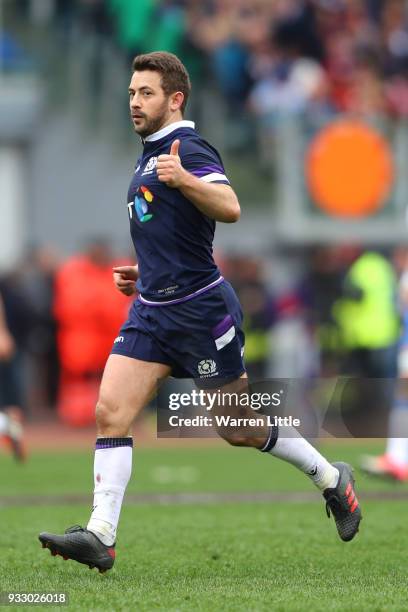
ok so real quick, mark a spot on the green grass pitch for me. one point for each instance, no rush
(223, 555)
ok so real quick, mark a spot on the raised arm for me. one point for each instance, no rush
(217, 201)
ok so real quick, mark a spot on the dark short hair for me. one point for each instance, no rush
(174, 76)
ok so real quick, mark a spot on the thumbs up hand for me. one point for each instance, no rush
(169, 168)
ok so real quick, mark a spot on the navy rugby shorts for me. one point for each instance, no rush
(200, 338)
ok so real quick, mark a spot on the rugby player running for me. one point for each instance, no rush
(186, 321)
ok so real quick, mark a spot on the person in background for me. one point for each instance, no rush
(259, 314)
(38, 285)
(88, 314)
(11, 430)
(394, 462)
(368, 318)
(369, 327)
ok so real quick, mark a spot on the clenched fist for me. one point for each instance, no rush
(124, 278)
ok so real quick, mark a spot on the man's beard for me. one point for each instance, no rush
(153, 124)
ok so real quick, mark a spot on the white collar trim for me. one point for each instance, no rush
(169, 129)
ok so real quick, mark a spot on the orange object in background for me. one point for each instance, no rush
(349, 169)
(89, 312)
(77, 398)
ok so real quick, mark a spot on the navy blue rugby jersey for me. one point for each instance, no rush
(172, 238)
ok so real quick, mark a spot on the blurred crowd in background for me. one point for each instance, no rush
(266, 55)
(268, 58)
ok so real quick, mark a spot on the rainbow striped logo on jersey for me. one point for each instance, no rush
(142, 204)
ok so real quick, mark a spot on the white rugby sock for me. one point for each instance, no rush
(4, 423)
(294, 449)
(397, 451)
(397, 446)
(112, 470)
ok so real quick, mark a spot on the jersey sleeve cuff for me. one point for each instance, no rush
(214, 177)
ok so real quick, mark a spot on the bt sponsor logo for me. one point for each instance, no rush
(143, 198)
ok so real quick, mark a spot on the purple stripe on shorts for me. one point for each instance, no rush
(104, 443)
(182, 299)
(222, 327)
(203, 171)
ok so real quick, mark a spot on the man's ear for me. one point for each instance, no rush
(176, 101)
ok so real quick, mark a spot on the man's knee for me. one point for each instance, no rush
(102, 412)
(109, 418)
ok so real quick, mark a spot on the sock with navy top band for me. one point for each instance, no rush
(270, 440)
(112, 471)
